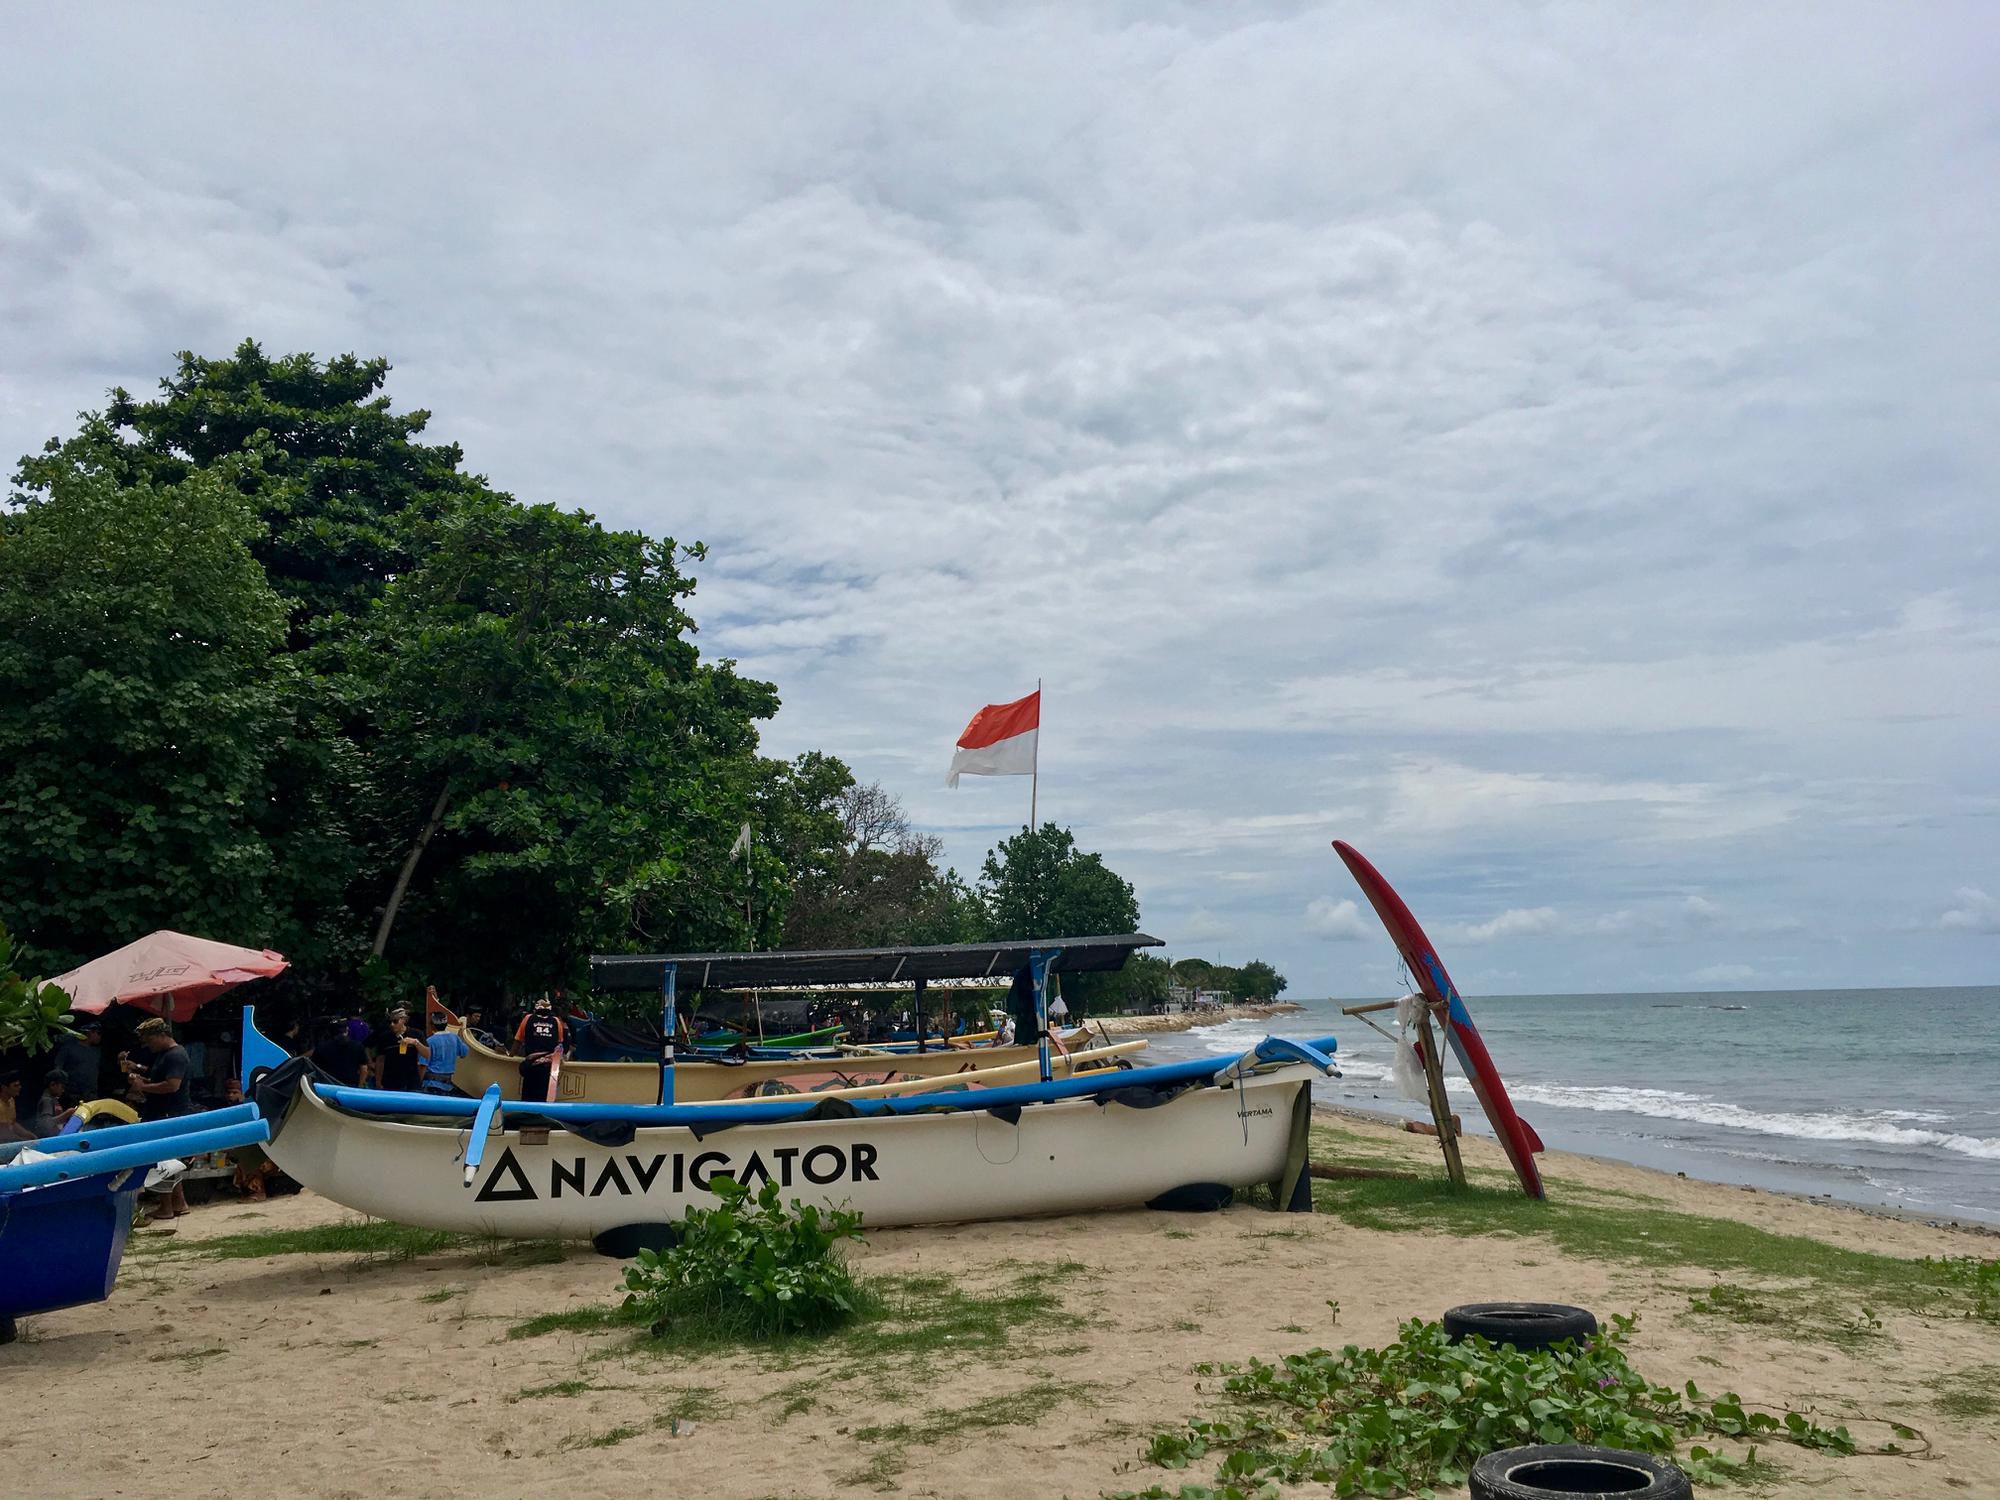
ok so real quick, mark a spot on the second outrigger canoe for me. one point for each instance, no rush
(698, 1078)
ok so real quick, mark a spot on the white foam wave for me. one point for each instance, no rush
(1875, 1127)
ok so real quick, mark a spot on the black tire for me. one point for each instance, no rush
(1521, 1325)
(9, 1330)
(1194, 1198)
(627, 1240)
(1574, 1471)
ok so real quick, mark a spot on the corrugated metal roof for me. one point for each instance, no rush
(805, 968)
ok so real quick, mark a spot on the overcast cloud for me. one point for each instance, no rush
(1551, 446)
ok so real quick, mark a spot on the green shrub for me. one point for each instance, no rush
(748, 1269)
(1416, 1415)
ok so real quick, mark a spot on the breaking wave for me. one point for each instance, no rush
(1874, 1127)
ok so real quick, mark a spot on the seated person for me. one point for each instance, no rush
(54, 1108)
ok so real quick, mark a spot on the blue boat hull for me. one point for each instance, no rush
(60, 1245)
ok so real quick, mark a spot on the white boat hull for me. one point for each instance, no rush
(945, 1167)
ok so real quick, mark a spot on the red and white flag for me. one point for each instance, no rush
(1000, 740)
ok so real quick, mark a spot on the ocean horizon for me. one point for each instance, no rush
(1885, 1097)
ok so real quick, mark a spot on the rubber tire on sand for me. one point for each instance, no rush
(1564, 1471)
(1521, 1325)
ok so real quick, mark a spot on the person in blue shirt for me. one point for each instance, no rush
(447, 1047)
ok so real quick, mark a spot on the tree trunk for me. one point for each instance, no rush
(409, 869)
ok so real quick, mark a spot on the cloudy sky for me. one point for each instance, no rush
(1552, 446)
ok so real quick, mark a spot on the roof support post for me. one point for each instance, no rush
(922, 1030)
(668, 1021)
(1040, 961)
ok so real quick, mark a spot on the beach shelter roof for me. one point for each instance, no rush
(167, 972)
(809, 968)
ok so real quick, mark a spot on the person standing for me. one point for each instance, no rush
(81, 1060)
(539, 1036)
(339, 1056)
(161, 1078)
(399, 1061)
(161, 1081)
(446, 1048)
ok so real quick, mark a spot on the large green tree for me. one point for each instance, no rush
(144, 716)
(1039, 884)
(418, 727)
(340, 480)
(885, 887)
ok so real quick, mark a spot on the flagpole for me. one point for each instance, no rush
(1035, 771)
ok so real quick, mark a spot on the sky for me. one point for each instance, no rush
(1553, 447)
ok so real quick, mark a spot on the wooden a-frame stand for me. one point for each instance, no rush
(1427, 1052)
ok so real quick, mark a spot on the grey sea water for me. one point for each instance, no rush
(1889, 1098)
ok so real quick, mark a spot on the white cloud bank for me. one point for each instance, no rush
(1555, 457)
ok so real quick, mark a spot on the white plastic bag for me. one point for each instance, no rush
(1410, 1080)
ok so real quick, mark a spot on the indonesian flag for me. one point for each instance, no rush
(1000, 740)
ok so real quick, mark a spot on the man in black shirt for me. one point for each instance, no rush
(162, 1075)
(539, 1037)
(338, 1056)
(400, 1058)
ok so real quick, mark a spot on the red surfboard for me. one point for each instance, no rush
(1517, 1137)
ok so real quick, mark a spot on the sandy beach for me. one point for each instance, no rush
(1018, 1359)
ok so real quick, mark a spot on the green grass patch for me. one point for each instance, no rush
(1796, 1314)
(690, 1403)
(186, 1356)
(1023, 1408)
(558, 1389)
(495, 1251)
(442, 1294)
(609, 1439)
(1659, 1237)
(1970, 1395)
(372, 1238)
(594, 1318)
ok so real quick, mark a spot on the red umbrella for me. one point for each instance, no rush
(168, 972)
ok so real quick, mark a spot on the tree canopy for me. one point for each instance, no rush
(277, 669)
(331, 692)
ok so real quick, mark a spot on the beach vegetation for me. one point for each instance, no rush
(556, 1388)
(33, 1015)
(1414, 1416)
(275, 653)
(1792, 1313)
(610, 1439)
(372, 1238)
(749, 1269)
(1606, 1228)
(590, 1318)
(1970, 1394)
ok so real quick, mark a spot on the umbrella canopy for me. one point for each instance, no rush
(168, 972)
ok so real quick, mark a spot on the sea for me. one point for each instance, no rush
(1883, 1097)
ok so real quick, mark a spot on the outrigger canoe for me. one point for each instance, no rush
(1104, 1139)
(697, 1079)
